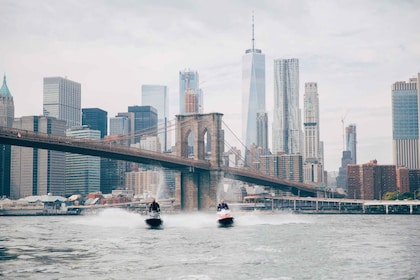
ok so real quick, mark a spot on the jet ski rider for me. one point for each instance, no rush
(222, 205)
(154, 206)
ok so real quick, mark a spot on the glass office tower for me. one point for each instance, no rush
(351, 142)
(287, 131)
(405, 124)
(145, 121)
(83, 173)
(62, 100)
(157, 97)
(253, 97)
(96, 119)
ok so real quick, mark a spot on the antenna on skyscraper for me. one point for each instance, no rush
(253, 39)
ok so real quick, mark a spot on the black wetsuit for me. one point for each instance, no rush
(222, 206)
(154, 206)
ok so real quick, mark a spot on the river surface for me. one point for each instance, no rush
(116, 244)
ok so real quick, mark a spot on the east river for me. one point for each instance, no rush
(116, 244)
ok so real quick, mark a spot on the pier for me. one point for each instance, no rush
(328, 205)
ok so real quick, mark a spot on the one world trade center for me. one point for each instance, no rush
(253, 98)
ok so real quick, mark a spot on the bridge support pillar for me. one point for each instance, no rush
(200, 137)
(212, 190)
(199, 190)
(189, 191)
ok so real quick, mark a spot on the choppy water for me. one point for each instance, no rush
(115, 244)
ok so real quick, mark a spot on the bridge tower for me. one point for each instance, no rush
(197, 189)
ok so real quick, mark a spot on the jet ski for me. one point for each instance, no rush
(224, 217)
(154, 220)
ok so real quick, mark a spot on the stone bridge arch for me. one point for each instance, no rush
(199, 190)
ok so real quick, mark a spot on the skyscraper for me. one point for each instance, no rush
(82, 172)
(311, 122)
(37, 171)
(96, 119)
(123, 124)
(262, 132)
(157, 97)
(113, 171)
(191, 102)
(405, 124)
(145, 121)
(313, 161)
(253, 94)
(62, 100)
(189, 81)
(351, 141)
(7, 114)
(286, 114)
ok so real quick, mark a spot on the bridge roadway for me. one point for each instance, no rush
(108, 149)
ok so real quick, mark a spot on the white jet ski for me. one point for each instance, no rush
(224, 217)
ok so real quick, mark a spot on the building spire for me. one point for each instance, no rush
(253, 49)
(253, 39)
(4, 90)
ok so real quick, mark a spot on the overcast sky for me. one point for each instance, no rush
(354, 50)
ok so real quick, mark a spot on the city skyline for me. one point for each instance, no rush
(353, 65)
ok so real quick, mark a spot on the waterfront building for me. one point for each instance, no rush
(414, 181)
(7, 114)
(189, 82)
(313, 160)
(370, 181)
(157, 97)
(253, 98)
(62, 100)
(405, 123)
(283, 166)
(287, 132)
(37, 171)
(145, 121)
(96, 119)
(403, 179)
(83, 172)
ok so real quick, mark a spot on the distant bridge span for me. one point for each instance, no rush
(111, 150)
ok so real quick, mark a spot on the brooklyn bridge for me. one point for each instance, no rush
(198, 180)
